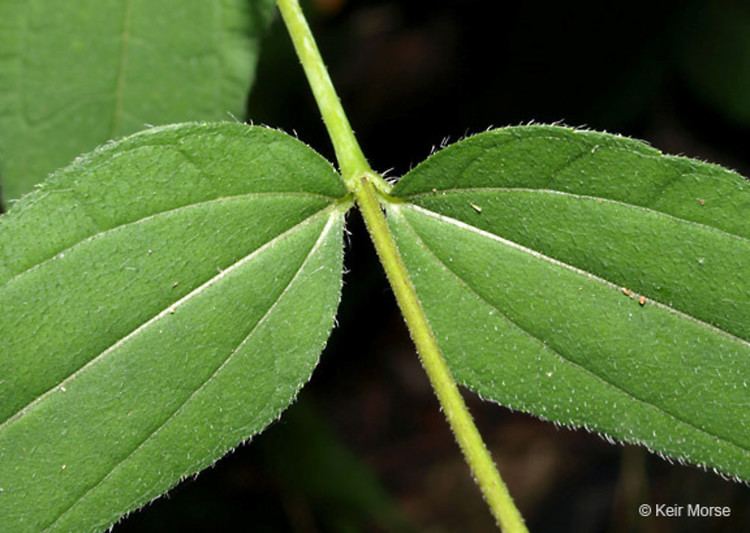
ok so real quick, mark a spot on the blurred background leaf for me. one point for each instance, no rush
(74, 75)
(714, 56)
(320, 476)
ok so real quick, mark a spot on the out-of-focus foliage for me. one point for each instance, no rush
(714, 54)
(74, 75)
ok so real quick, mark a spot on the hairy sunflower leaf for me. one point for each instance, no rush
(145, 335)
(590, 280)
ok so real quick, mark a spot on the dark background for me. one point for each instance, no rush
(365, 448)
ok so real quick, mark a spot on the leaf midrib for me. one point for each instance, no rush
(164, 312)
(549, 345)
(157, 214)
(117, 111)
(469, 190)
(539, 255)
(314, 248)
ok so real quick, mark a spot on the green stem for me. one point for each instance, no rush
(477, 456)
(348, 153)
(368, 189)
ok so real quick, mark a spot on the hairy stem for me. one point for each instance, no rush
(477, 456)
(349, 155)
(365, 185)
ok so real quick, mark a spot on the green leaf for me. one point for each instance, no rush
(76, 74)
(713, 50)
(341, 489)
(148, 335)
(530, 249)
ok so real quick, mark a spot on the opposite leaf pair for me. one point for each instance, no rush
(170, 293)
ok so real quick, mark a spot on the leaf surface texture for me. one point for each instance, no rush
(592, 281)
(147, 335)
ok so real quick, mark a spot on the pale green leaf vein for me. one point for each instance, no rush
(567, 266)
(548, 345)
(490, 190)
(315, 247)
(164, 312)
(194, 205)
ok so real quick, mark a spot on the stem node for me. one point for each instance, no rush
(369, 190)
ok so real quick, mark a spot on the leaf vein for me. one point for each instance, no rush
(121, 67)
(567, 266)
(164, 312)
(470, 190)
(549, 346)
(157, 214)
(207, 381)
